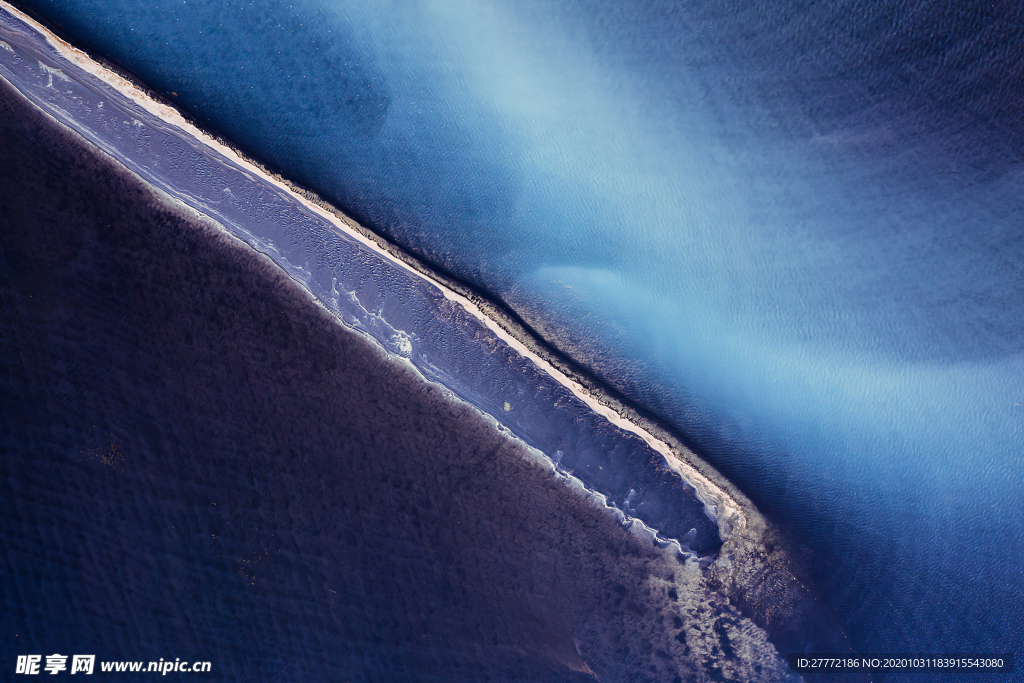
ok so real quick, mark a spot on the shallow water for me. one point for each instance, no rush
(794, 236)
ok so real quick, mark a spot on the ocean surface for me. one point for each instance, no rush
(789, 232)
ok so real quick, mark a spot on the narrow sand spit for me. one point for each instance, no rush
(752, 569)
(728, 511)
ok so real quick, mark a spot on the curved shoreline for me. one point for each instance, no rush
(752, 566)
(715, 494)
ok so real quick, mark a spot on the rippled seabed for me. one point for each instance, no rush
(821, 298)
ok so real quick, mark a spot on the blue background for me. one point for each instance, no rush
(790, 230)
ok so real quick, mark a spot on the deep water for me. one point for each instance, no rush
(790, 230)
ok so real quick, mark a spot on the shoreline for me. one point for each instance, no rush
(727, 506)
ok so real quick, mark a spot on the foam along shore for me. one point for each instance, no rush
(475, 352)
(721, 506)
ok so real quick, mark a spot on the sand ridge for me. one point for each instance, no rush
(721, 504)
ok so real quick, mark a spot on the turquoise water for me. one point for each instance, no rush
(803, 252)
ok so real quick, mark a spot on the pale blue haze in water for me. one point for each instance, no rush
(825, 300)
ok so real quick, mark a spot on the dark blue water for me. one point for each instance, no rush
(792, 231)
